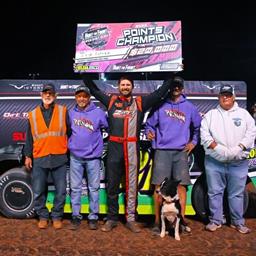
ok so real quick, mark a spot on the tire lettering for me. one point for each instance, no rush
(3, 180)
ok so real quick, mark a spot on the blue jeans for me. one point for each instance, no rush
(92, 167)
(231, 176)
(39, 186)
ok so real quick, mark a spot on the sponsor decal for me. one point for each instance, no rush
(28, 87)
(96, 37)
(18, 136)
(69, 86)
(15, 115)
(83, 67)
(122, 113)
(119, 105)
(19, 87)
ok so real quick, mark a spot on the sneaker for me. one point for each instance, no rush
(132, 225)
(109, 225)
(75, 223)
(212, 227)
(57, 224)
(43, 223)
(241, 228)
(93, 224)
(155, 229)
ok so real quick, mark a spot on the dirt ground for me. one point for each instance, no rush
(22, 237)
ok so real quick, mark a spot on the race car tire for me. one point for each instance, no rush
(16, 196)
(251, 210)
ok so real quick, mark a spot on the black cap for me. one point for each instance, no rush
(227, 88)
(178, 81)
(82, 88)
(49, 87)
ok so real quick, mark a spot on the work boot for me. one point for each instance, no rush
(57, 224)
(43, 223)
(93, 224)
(75, 223)
(132, 225)
(109, 225)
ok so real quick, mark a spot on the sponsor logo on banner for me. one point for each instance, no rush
(18, 136)
(15, 115)
(69, 86)
(28, 87)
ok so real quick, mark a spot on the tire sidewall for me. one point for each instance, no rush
(17, 183)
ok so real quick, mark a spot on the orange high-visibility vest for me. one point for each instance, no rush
(52, 139)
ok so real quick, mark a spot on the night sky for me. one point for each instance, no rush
(217, 43)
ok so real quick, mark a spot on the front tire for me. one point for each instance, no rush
(16, 196)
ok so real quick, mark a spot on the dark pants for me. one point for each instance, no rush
(116, 168)
(39, 185)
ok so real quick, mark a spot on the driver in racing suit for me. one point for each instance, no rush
(125, 116)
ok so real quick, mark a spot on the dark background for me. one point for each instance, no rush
(217, 43)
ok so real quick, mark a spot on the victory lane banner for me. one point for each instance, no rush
(128, 47)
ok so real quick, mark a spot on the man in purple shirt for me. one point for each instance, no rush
(86, 146)
(173, 129)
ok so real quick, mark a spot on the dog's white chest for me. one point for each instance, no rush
(169, 208)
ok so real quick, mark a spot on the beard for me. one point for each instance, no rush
(47, 101)
(126, 93)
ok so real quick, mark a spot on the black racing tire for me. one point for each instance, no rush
(251, 210)
(16, 196)
(199, 199)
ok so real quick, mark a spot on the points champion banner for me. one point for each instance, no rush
(128, 47)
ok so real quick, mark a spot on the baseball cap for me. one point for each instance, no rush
(82, 88)
(49, 87)
(178, 81)
(227, 88)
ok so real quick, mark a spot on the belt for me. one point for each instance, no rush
(122, 139)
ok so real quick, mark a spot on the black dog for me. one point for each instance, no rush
(171, 209)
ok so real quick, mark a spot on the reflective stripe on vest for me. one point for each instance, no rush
(36, 135)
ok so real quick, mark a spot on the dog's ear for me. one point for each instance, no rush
(165, 180)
